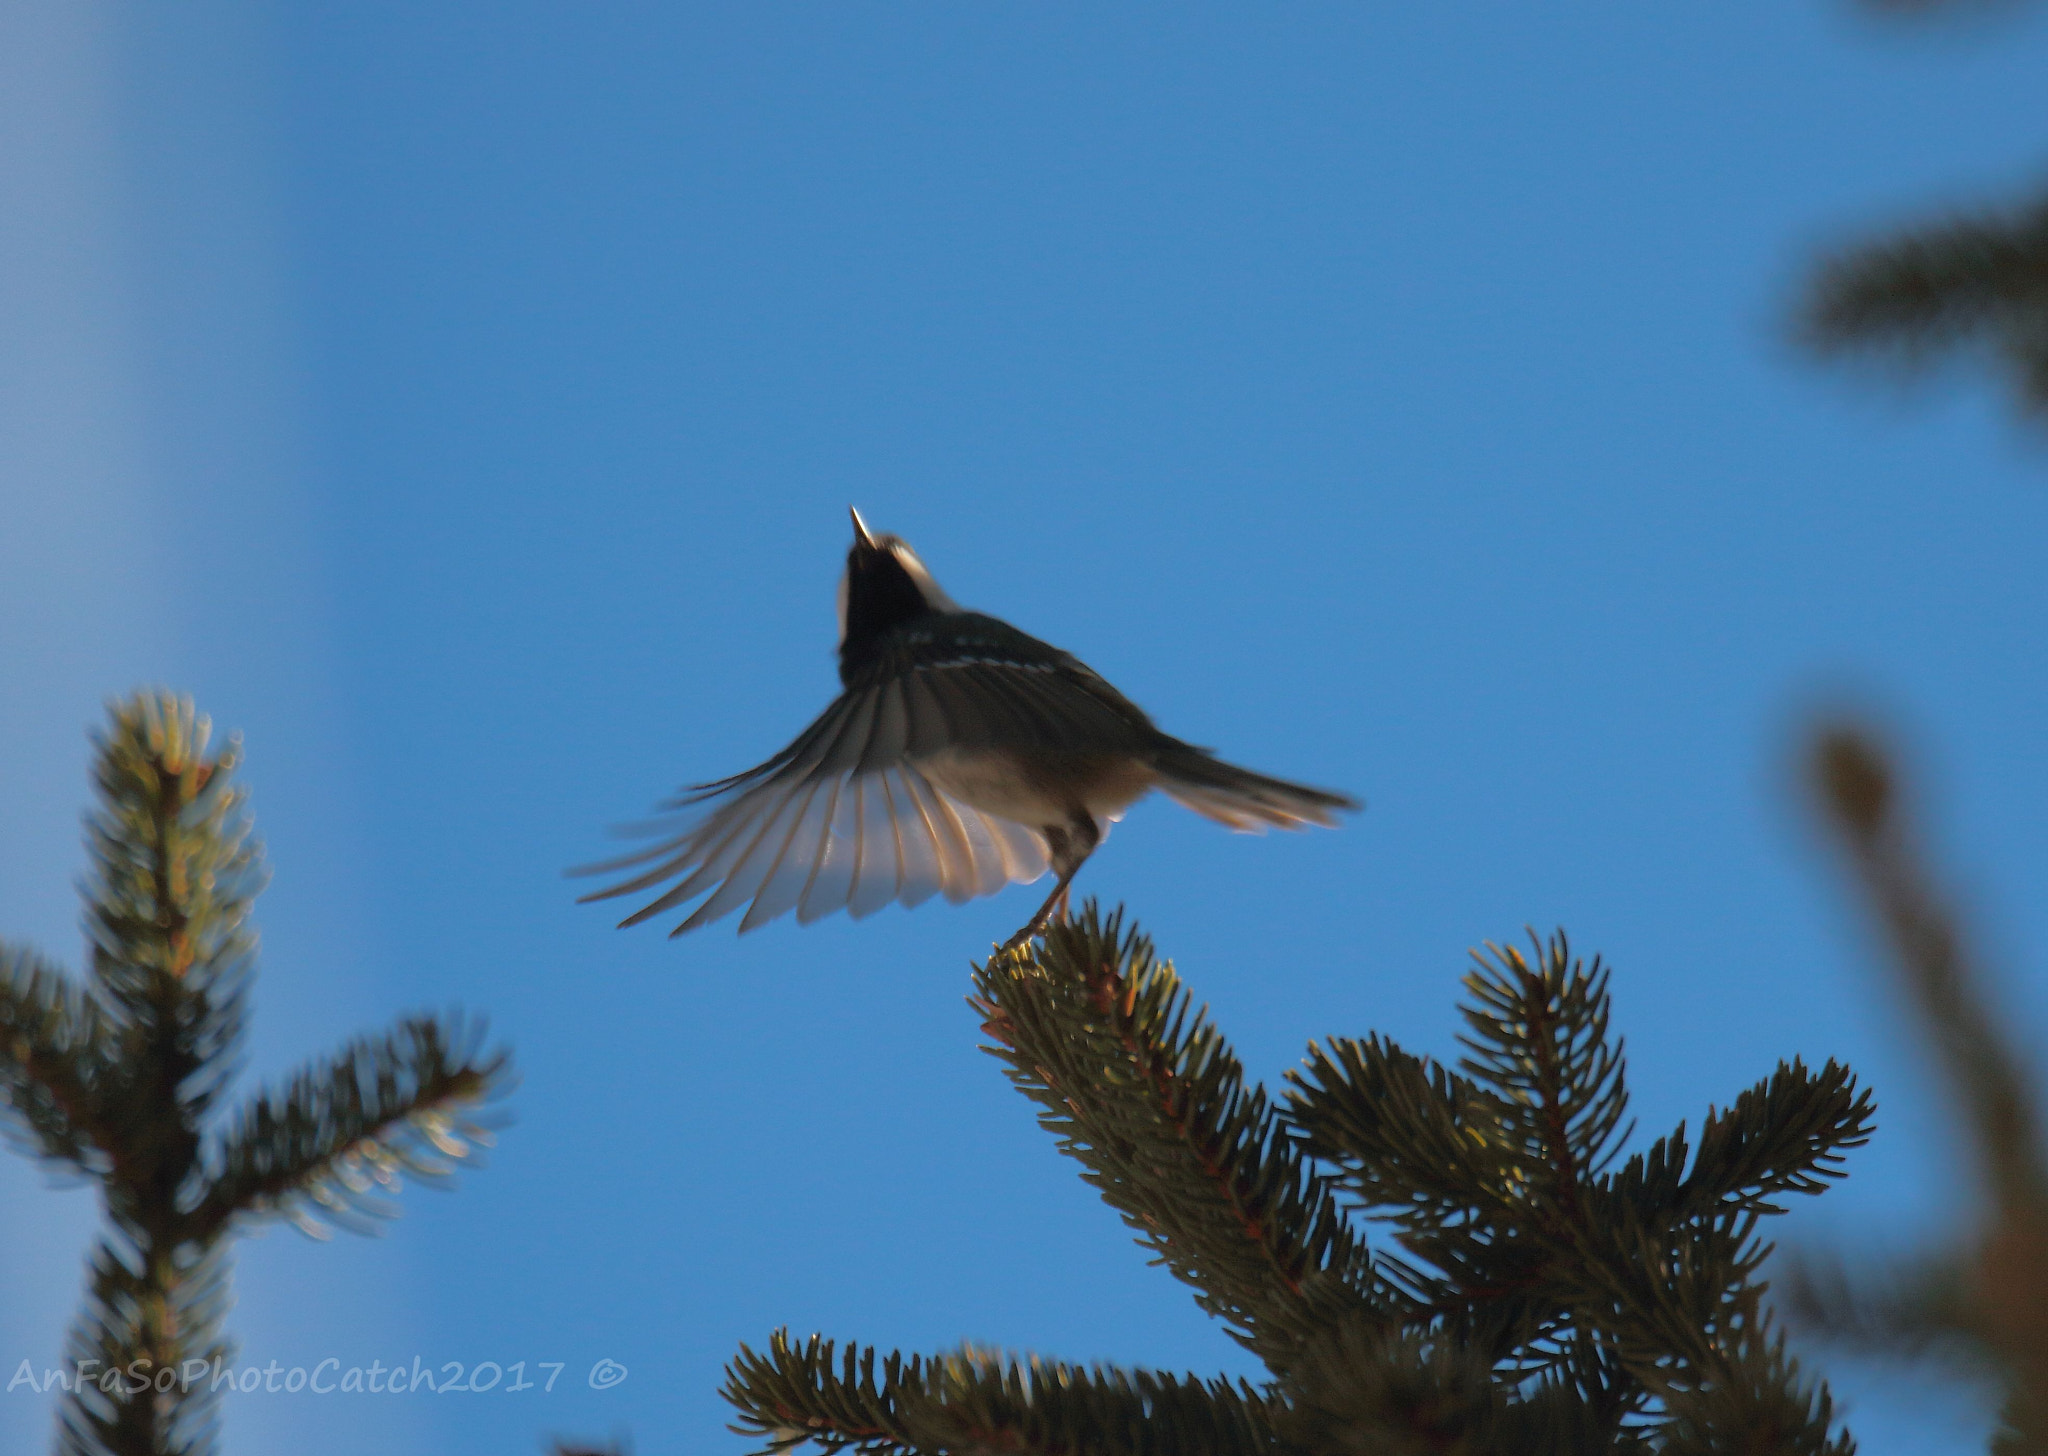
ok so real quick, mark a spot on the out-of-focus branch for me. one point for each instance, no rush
(2004, 1298)
(1970, 282)
(1929, 9)
(118, 1076)
(1859, 789)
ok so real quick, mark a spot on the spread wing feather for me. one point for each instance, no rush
(843, 818)
(877, 865)
(847, 818)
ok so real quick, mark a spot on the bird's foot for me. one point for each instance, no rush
(1033, 928)
(1054, 908)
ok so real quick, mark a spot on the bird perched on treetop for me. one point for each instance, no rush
(961, 756)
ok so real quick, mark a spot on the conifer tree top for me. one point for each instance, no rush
(1543, 1294)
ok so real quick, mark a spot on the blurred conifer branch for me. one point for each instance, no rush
(1967, 283)
(1930, 9)
(1985, 1304)
(351, 1128)
(1543, 1300)
(117, 1079)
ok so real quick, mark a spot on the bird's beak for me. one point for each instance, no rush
(860, 529)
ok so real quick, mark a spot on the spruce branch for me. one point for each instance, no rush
(1628, 1286)
(1856, 783)
(1927, 10)
(1788, 1134)
(1433, 1153)
(54, 1059)
(174, 871)
(1911, 1308)
(145, 1312)
(1414, 1141)
(1670, 1300)
(1685, 1319)
(1373, 1390)
(1141, 1088)
(1971, 282)
(1549, 1303)
(974, 1401)
(1759, 1401)
(1538, 1041)
(1665, 1267)
(1489, 1169)
(118, 1076)
(2001, 1295)
(345, 1131)
(1917, 9)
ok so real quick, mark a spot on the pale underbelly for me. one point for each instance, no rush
(1015, 787)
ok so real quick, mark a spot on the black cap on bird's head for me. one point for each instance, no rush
(885, 587)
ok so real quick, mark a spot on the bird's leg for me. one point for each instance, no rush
(1037, 923)
(1070, 845)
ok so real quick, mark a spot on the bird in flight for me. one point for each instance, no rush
(962, 755)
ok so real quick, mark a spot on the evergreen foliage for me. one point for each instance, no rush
(1539, 1297)
(1980, 1304)
(118, 1078)
(1968, 282)
(1975, 282)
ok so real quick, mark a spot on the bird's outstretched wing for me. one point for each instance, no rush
(844, 817)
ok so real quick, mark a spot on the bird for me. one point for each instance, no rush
(962, 755)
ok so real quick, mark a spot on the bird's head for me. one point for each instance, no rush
(884, 586)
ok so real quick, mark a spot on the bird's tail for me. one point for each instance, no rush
(1241, 799)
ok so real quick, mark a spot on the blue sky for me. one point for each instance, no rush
(464, 407)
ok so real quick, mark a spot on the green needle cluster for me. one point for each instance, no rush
(1539, 1293)
(121, 1077)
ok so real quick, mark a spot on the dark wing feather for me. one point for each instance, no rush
(985, 685)
(843, 818)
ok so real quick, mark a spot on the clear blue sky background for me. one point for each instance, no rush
(463, 404)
